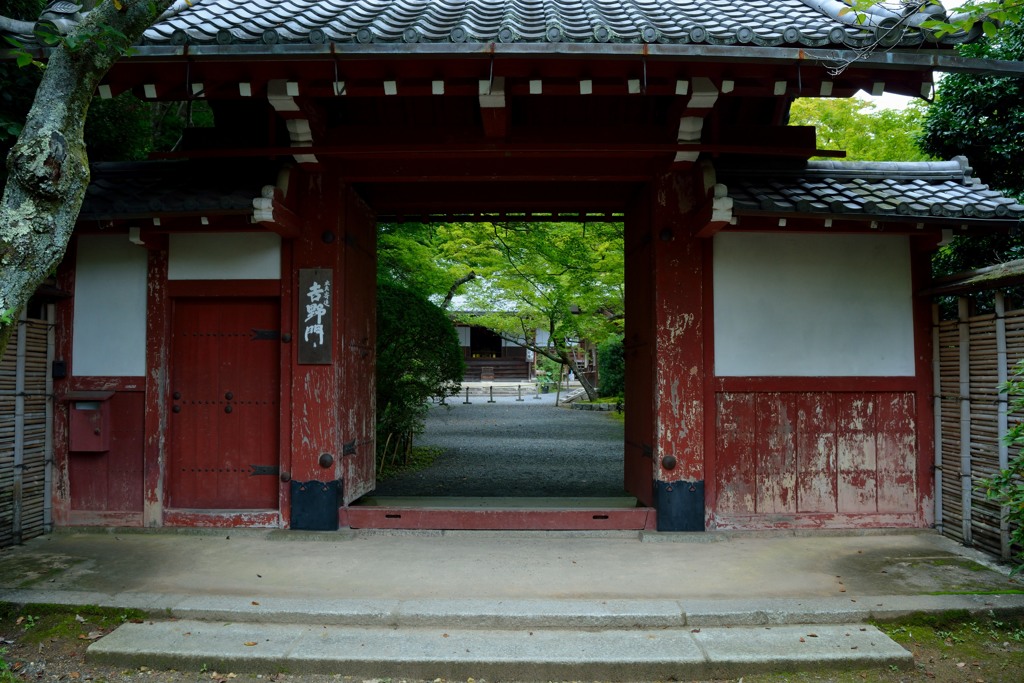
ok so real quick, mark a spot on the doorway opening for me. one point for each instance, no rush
(528, 305)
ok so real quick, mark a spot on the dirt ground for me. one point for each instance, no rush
(41, 643)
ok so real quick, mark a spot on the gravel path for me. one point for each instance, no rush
(511, 448)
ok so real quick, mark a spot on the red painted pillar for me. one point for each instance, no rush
(639, 352)
(921, 270)
(679, 358)
(331, 398)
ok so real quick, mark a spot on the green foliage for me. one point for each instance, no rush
(17, 84)
(566, 279)
(986, 14)
(1007, 486)
(27, 10)
(6, 675)
(859, 127)
(612, 366)
(407, 254)
(981, 117)
(515, 278)
(549, 372)
(418, 458)
(418, 357)
(119, 129)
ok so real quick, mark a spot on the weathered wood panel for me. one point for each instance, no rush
(816, 458)
(857, 485)
(359, 355)
(680, 330)
(816, 453)
(225, 390)
(896, 448)
(737, 467)
(112, 481)
(775, 443)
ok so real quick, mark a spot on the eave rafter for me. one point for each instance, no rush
(155, 74)
(938, 227)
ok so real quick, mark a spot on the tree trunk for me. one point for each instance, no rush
(48, 165)
(563, 355)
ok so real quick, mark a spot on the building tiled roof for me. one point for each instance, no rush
(811, 23)
(128, 190)
(942, 189)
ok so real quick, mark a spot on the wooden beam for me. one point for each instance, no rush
(271, 213)
(493, 111)
(498, 150)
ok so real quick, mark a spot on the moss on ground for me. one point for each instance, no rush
(44, 622)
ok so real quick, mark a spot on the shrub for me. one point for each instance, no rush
(1007, 486)
(418, 357)
(612, 366)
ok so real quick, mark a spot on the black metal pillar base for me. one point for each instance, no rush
(680, 505)
(315, 505)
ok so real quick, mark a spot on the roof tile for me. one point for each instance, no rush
(796, 22)
(875, 189)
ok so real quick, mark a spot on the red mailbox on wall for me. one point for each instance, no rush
(89, 421)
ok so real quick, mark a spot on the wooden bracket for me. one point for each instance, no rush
(270, 212)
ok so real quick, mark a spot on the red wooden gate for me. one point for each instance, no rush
(225, 388)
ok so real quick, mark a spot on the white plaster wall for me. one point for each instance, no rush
(224, 256)
(463, 335)
(812, 305)
(109, 333)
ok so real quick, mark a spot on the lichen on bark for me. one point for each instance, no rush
(48, 165)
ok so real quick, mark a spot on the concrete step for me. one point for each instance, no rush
(498, 654)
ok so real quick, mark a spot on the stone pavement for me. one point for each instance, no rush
(506, 605)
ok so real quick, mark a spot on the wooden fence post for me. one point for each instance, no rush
(965, 418)
(1003, 418)
(19, 430)
(937, 408)
(48, 454)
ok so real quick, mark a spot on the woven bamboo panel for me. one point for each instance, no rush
(949, 396)
(985, 437)
(33, 434)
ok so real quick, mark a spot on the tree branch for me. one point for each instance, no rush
(455, 288)
(48, 165)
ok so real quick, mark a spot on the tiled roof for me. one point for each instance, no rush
(809, 23)
(153, 188)
(943, 189)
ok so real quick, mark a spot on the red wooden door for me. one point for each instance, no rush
(225, 389)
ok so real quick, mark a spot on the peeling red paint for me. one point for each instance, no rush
(679, 328)
(784, 456)
(157, 362)
(223, 520)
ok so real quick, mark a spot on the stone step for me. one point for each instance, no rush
(502, 654)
